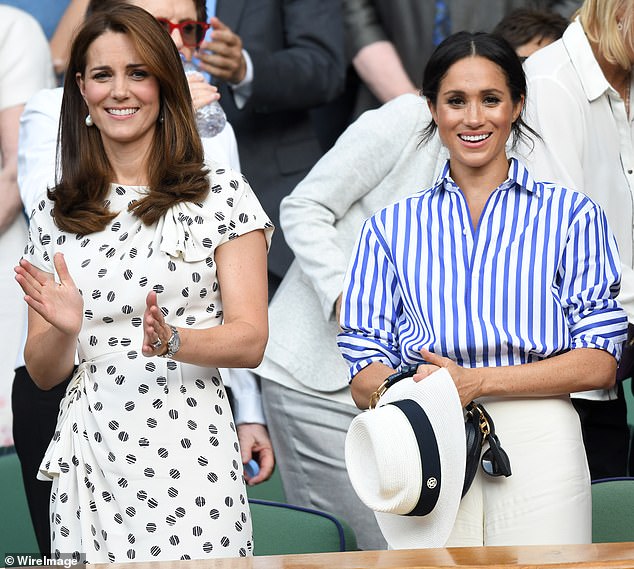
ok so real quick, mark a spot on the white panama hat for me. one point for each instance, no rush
(406, 460)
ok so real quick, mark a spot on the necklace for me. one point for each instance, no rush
(628, 88)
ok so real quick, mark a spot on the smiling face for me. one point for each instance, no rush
(122, 96)
(474, 113)
(176, 11)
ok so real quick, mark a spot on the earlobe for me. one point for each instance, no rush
(518, 108)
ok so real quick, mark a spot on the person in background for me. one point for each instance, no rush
(25, 68)
(529, 30)
(305, 391)
(47, 14)
(35, 410)
(516, 299)
(136, 420)
(377, 160)
(579, 102)
(274, 60)
(389, 44)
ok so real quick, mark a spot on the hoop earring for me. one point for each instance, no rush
(88, 120)
(619, 26)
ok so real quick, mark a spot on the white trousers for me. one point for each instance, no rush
(547, 499)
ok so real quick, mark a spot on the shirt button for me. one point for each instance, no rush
(464, 231)
(629, 171)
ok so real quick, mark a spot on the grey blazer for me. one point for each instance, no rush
(375, 162)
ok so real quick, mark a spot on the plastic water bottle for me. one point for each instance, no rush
(210, 119)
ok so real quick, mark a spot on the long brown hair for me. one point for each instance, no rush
(176, 171)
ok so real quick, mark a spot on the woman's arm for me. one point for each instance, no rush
(367, 381)
(54, 322)
(581, 369)
(62, 38)
(9, 192)
(577, 370)
(241, 339)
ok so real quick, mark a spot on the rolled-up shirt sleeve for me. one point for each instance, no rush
(589, 282)
(371, 303)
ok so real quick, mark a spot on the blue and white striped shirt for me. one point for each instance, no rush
(537, 277)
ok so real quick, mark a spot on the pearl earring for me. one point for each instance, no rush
(89, 121)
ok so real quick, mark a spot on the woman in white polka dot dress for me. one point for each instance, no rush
(127, 259)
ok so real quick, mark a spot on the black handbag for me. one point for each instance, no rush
(626, 365)
(479, 429)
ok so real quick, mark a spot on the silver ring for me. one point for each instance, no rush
(156, 345)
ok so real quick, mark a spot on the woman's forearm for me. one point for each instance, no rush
(580, 369)
(232, 345)
(241, 339)
(50, 357)
(367, 381)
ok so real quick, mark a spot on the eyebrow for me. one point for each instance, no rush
(108, 67)
(484, 92)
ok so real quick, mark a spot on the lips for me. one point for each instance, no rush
(122, 112)
(474, 137)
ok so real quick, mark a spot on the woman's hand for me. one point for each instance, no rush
(154, 328)
(465, 380)
(201, 91)
(60, 304)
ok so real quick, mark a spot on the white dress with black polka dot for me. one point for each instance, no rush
(145, 460)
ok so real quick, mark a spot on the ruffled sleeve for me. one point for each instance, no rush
(195, 230)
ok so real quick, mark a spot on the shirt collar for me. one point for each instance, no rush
(518, 175)
(582, 58)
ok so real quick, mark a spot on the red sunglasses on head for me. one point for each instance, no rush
(192, 32)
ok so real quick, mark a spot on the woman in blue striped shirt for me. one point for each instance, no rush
(507, 282)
